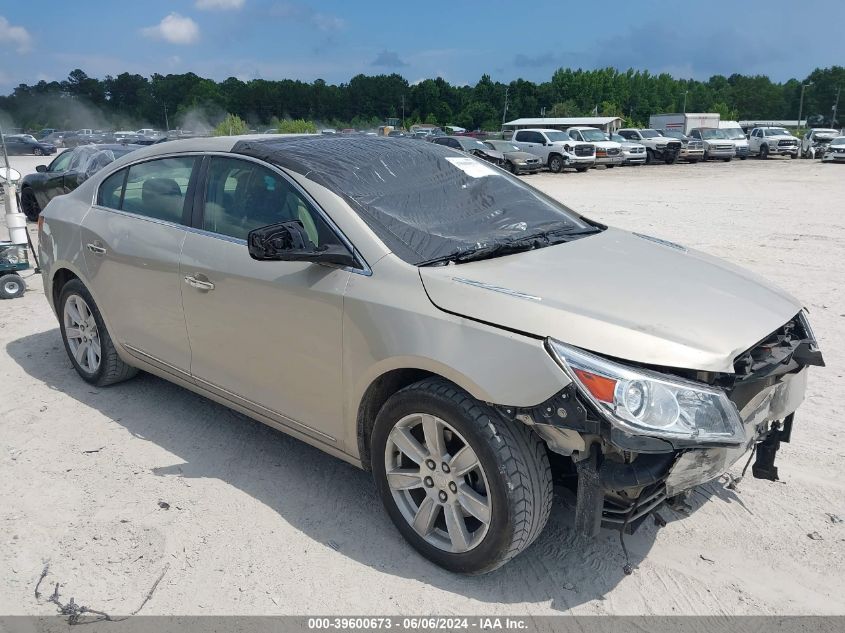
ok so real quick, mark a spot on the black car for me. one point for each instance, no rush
(67, 171)
(27, 144)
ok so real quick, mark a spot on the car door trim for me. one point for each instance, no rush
(228, 395)
(259, 408)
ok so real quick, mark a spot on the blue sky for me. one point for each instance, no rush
(458, 40)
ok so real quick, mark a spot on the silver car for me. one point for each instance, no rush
(425, 315)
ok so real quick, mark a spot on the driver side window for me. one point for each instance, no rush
(241, 196)
(61, 163)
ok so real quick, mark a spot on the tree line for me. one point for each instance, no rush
(189, 101)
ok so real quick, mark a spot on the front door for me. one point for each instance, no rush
(131, 240)
(264, 334)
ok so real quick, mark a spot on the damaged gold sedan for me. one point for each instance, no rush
(425, 315)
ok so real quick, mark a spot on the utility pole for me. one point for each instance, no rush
(505, 110)
(685, 100)
(835, 107)
(403, 112)
(166, 122)
(801, 102)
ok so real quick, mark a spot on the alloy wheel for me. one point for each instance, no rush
(82, 334)
(438, 483)
(11, 287)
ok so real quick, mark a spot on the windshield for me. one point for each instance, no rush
(712, 134)
(776, 131)
(649, 133)
(420, 199)
(558, 136)
(502, 146)
(733, 133)
(618, 138)
(470, 143)
(593, 135)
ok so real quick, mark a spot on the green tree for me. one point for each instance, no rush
(232, 125)
(296, 126)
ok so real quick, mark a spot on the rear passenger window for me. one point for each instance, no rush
(111, 190)
(241, 196)
(157, 189)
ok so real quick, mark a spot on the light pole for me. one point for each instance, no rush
(801, 102)
(685, 100)
(835, 107)
(505, 110)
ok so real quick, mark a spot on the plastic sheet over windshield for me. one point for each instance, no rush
(424, 201)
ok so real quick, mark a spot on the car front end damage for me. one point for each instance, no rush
(639, 437)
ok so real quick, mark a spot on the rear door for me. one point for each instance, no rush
(132, 239)
(264, 334)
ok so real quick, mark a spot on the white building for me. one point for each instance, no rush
(605, 123)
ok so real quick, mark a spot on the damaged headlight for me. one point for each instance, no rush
(644, 402)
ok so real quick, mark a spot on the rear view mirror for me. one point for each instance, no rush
(41, 168)
(288, 241)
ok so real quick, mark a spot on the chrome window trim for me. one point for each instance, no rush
(137, 216)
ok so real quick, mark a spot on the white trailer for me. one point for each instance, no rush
(683, 122)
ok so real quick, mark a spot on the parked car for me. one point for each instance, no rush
(55, 138)
(472, 146)
(815, 142)
(393, 133)
(772, 141)
(555, 149)
(67, 171)
(692, 149)
(441, 323)
(22, 144)
(658, 147)
(835, 151)
(516, 161)
(81, 137)
(733, 132)
(634, 153)
(608, 153)
(44, 133)
(716, 143)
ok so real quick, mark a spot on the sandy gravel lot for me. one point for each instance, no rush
(258, 523)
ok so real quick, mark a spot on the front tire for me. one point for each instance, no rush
(466, 489)
(556, 164)
(87, 340)
(37, 152)
(29, 205)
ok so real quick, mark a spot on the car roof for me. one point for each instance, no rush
(539, 129)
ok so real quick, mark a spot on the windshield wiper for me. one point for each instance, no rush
(527, 243)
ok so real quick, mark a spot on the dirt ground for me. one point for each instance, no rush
(113, 487)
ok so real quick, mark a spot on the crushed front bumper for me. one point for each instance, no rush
(777, 402)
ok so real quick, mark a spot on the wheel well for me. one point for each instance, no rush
(62, 276)
(374, 398)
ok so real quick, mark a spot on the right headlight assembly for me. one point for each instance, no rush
(644, 402)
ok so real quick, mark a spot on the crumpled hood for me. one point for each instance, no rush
(519, 155)
(620, 294)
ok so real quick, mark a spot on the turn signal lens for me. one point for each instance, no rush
(601, 388)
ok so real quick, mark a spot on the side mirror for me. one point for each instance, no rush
(288, 241)
(41, 168)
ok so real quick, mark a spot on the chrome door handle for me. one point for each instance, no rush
(199, 284)
(96, 249)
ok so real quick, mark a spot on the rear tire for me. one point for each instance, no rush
(727, 160)
(649, 156)
(12, 286)
(581, 170)
(29, 205)
(793, 156)
(37, 152)
(83, 329)
(509, 482)
(764, 152)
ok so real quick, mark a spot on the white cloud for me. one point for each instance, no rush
(18, 36)
(219, 5)
(174, 28)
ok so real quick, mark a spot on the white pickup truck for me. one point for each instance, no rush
(658, 147)
(555, 148)
(772, 141)
(608, 153)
